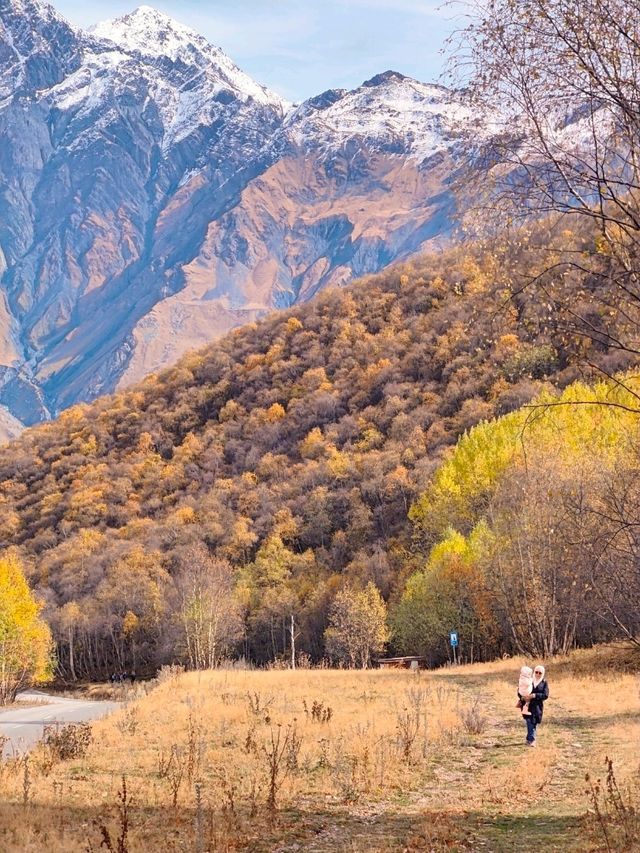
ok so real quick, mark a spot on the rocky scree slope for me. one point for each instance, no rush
(153, 196)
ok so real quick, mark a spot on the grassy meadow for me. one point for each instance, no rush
(330, 760)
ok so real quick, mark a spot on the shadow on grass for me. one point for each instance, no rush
(438, 830)
(67, 829)
(576, 721)
(508, 743)
(74, 828)
(558, 833)
(341, 828)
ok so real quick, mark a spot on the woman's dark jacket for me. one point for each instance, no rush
(541, 694)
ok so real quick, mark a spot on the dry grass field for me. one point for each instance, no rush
(325, 760)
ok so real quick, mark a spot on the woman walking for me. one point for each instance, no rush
(539, 694)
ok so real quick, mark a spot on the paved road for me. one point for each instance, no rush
(24, 726)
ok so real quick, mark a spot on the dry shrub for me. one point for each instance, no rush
(120, 843)
(281, 752)
(129, 723)
(319, 712)
(169, 673)
(259, 706)
(474, 720)
(68, 742)
(408, 729)
(615, 810)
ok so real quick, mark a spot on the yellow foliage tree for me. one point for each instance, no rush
(25, 639)
(507, 523)
(450, 593)
(275, 413)
(580, 421)
(358, 628)
(314, 445)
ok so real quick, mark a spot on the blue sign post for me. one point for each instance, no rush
(453, 639)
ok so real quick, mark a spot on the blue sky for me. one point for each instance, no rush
(302, 48)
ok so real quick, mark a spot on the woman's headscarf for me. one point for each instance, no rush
(537, 678)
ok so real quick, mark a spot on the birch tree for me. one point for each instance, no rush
(209, 611)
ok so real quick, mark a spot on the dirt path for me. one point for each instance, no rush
(534, 793)
(490, 791)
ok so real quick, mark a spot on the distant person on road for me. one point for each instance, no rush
(539, 694)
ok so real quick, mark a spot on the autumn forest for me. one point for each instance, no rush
(369, 471)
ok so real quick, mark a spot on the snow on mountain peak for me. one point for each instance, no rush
(385, 77)
(26, 19)
(154, 36)
(31, 7)
(38, 47)
(388, 111)
(147, 31)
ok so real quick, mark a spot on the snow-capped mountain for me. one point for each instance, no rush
(153, 196)
(38, 47)
(192, 79)
(392, 113)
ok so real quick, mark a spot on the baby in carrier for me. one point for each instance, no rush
(525, 687)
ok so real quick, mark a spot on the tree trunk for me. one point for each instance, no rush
(72, 667)
(293, 643)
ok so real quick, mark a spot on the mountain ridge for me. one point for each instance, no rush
(163, 197)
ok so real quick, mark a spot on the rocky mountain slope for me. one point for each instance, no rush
(153, 196)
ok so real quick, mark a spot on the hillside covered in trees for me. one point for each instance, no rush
(195, 514)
